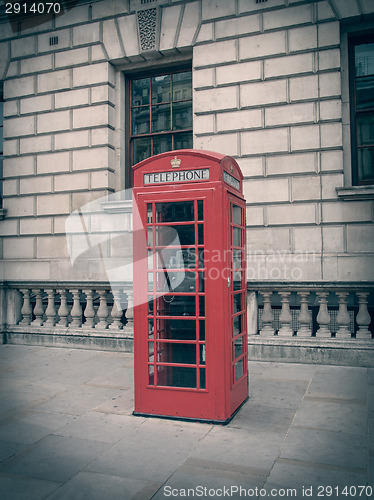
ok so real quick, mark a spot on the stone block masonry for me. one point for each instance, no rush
(57, 101)
(267, 89)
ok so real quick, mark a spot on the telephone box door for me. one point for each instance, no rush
(238, 302)
(177, 360)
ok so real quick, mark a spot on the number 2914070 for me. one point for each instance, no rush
(33, 8)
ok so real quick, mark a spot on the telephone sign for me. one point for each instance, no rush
(190, 333)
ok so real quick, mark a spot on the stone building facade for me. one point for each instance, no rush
(277, 84)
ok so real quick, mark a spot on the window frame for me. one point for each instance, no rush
(1, 149)
(128, 123)
(353, 41)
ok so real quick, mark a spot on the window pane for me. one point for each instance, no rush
(149, 236)
(237, 302)
(236, 259)
(174, 258)
(201, 282)
(200, 210)
(149, 213)
(160, 89)
(178, 353)
(161, 144)
(175, 281)
(177, 329)
(182, 115)
(176, 376)
(202, 305)
(140, 92)
(365, 129)
(239, 369)
(176, 305)
(201, 257)
(161, 118)
(183, 141)
(202, 378)
(140, 121)
(179, 211)
(182, 85)
(365, 164)
(237, 280)
(150, 328)
(142, 149)
(365, 93)
(186, 234)
(237, 325)
(202, 329)
(236, 237)
(364, 59)
(238, 347)
(200, 230)
(236, 215)
(202, 354)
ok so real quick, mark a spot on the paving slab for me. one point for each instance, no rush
(325, 447)
(153, 450)
(106, 428)
(312, 477)
(78, 400)
(94, 486)
(332, 416)
(240, 447)
(207, 482)
(339, 383)
(54, 458)
(22, 488)
(33, 426)
(67, 432)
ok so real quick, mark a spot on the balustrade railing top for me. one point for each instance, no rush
(72, 305)
(341, 312)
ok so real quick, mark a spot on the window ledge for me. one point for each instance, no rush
(117, 206)
(356, 192)
(2, 213)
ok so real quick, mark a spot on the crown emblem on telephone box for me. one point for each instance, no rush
(175, 162)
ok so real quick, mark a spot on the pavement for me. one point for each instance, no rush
(67, 432)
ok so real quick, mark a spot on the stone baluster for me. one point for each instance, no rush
(38, 309)
(26, 310)
(89, 312)
(102, 312)
(304, 316)
(63, 310)
(76, 311)
(267, 315)
(51, 308)
(116, 311)
(363, 318)
(252, 313)
(285, 317)
(130, 314)
(323, 316)
(342, 317)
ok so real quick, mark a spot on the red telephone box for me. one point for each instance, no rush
(190, 328)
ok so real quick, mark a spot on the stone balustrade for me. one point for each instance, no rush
(59, 311)
(340, 312)
(312, 323)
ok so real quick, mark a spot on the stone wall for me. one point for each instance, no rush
(268, 84)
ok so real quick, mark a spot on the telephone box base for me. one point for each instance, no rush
(186, 419)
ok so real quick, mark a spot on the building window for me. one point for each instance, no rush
(160, 114)
(361, 55)
(1, 145)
